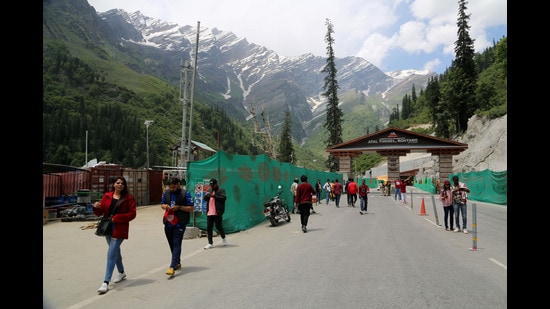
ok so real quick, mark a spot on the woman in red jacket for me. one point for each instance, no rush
(124, 212)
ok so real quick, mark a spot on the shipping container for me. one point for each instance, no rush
(156, 187)
(138, 185)
(71, 187)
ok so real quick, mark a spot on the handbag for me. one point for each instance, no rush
(105, 225)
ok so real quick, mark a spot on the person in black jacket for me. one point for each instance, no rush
(177, 204)
(215, 207)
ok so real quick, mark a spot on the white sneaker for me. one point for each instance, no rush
(224, 242)
(209, 246)
(103, 288)
(456, 230)
(465, 231)
(120, 277)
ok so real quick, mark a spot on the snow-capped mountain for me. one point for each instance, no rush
(262, 79)
(240, 76)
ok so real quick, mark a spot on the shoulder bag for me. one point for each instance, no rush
(105, 225)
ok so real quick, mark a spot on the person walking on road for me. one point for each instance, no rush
(337, 189)
(304, 193)
(364, 191)
(348, 197)
(397, 185)
(328, 189)
(177, 205)
(293, 187)
(352, 192)
(460, 200)
(446, 198)
(318, 190)
(332, 195)
(215, 200)
(125, 212)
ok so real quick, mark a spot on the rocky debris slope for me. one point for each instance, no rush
(487, 141)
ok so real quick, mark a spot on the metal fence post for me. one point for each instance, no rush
(435, 211)
(474, 228)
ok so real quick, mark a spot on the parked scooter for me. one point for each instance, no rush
(275, 209)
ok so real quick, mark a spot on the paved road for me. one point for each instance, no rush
(392, 257)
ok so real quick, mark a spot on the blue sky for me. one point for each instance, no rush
(391, 34)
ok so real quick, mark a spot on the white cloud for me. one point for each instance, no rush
(389, 34)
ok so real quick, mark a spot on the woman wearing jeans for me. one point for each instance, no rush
(123, 214)
(327, 188)
(446, 198)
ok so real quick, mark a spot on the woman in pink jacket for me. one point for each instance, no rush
(446, 198)
(124, 212)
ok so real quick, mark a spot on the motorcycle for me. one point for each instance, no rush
(275, 209)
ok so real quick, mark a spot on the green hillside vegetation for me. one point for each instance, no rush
(76, 100)
(91, 86)
(490, 92)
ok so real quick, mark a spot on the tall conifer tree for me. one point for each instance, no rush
(333, 122)
(286, 150)
(460, 85)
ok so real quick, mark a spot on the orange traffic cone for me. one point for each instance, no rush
(423, 209)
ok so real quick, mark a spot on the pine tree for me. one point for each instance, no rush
(286, 150)
(458, 91)
(334, 117)
(413, 95)
(406, 106)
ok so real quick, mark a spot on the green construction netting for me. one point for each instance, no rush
(249, 181)
(485, 186)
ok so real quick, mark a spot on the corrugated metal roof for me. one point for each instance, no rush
(203, 146)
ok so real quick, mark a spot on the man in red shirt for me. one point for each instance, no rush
(352, 192)
(397, 184)
(304, 192)
(364, 191)
(337, 189)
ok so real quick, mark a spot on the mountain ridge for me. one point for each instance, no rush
(233, 75)
(251, 69)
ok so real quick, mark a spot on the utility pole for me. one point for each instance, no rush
(147, 124)
(193, 90)
(184, 84)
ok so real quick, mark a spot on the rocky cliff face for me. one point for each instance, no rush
(487, 146)
(487, 141)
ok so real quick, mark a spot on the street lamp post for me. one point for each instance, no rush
(147, 123)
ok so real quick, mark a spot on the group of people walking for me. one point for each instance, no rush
(177, 204)
(303, 196)
(334, 190)
(400, 188)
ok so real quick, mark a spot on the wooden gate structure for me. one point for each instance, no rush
(393, 143)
